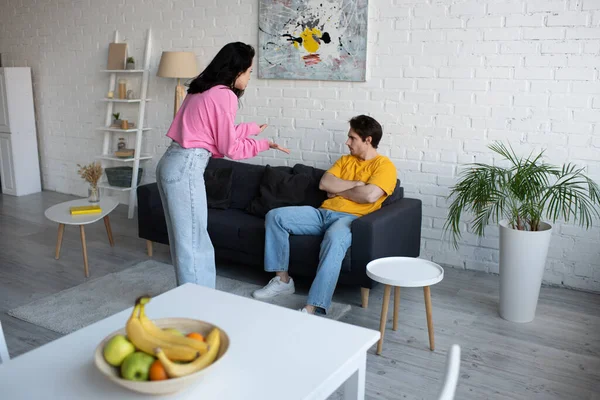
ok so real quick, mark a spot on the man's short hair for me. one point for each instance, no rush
(365, 126)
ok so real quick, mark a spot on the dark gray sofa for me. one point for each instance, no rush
(393, 230)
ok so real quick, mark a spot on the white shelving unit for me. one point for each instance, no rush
(109, 132)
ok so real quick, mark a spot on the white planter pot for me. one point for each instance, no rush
(522, 264)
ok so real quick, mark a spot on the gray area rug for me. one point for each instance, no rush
(82, 305)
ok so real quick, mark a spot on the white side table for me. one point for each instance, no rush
(404, 272)
(60, 213)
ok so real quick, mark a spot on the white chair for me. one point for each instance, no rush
(4, 356)
(452, 371)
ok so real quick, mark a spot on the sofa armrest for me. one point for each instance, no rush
(151, 220)
(148, 197)
(391, 231)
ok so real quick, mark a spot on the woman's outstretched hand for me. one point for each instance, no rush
(278, 147)
(262, 127)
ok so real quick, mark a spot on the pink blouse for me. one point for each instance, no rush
(206, 120)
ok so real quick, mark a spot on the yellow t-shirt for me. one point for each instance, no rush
(377, 171)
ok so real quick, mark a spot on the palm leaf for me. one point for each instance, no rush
(524, 192)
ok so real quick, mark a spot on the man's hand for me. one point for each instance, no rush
(262, 127)
(275, 146)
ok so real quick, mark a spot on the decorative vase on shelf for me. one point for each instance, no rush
(130, 63)
(93, 194)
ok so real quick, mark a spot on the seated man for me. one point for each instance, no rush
(356, 185)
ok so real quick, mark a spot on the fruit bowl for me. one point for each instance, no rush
(169, 385)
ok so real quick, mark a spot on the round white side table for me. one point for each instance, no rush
(60, 213)
(404, 272)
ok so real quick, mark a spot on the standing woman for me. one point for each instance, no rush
(203, 127)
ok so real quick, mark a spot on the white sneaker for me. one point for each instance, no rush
(303, 310)
(275, 287)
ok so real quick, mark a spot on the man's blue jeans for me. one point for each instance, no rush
(305, 220)
(180, 179)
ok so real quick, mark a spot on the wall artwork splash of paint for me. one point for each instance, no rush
(314, 39)
(310, 40)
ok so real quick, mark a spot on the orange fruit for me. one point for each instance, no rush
(157, 372)
(196, 335)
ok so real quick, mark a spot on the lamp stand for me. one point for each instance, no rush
(179, 96)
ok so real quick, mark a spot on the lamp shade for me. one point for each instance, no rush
(177, 64)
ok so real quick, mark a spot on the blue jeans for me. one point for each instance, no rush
(305, 220)
(180, 179)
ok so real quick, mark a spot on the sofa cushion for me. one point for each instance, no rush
(398, 194)
(278, 188)
(236, 229)
(218, 187)
(245, 180)
(314, 196)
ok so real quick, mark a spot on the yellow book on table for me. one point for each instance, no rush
(82, 210)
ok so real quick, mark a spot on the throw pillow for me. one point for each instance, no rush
(278, 189)
(398, 194)
(313, 196)
(218, 187)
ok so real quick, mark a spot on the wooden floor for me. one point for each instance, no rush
(555, 357)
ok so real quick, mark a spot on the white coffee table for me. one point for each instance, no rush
(404, 272)
(275, 353)
(60, 213)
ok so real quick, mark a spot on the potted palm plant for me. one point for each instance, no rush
(521, 197)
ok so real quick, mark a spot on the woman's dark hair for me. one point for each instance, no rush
(365, 126)
(232, 60)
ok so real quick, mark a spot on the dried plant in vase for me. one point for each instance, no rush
(92, 174)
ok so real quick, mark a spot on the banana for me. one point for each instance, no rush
(178, 370)
(145, 342)
(168, 337)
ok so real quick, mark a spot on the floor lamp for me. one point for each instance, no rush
(178, 64)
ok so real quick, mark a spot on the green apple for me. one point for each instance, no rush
(136, 366)
(117, 349)
(174, 331)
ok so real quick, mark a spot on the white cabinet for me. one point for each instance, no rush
(19, 159)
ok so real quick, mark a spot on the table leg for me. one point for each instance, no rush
(364, 296)
(61, 231)
(427, 295)
(396, 307)
(149, 247)
(84, 246)
(109, 231)
(354, 387)
(384, 312)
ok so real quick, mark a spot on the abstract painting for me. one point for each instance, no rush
(313, 39)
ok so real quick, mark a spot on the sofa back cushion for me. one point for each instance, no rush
(245, 180)
(398, 194)
(314, 196)
(278, 188)
(218, 187)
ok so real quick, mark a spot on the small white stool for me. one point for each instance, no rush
(404, 272)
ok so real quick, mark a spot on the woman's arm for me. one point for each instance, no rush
(232, 142)
(246, 129)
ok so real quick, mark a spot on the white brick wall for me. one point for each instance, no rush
(446, 78)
